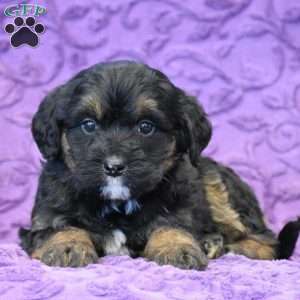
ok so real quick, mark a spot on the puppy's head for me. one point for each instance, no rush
(120, 128)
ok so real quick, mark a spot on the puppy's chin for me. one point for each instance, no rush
(117, 198)
(115, 189)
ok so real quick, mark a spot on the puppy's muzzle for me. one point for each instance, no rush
(114, 167)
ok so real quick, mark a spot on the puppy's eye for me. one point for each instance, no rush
(146, 127)
(88, 126)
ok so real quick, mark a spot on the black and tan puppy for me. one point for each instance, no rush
(124, 175)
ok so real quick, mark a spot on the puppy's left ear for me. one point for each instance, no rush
(196, 128)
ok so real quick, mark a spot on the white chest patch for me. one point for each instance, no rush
(116, 244)
(115, 189)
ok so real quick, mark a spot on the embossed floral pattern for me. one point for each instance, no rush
(240, 58)
(121, 278)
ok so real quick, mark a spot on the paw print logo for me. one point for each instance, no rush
(24, 32)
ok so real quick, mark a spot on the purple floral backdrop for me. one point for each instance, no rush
(241, 58)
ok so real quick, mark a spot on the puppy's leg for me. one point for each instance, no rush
(170, 246)
(70, 247)
(228, 196)
(255, 246)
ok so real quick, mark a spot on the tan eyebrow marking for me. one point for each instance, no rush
(91, 103)
(144, 104)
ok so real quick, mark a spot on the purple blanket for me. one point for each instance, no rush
(119, 278)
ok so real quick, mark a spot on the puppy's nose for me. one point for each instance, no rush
(114, 169)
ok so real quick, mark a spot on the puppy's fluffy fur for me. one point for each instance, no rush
(124, 175)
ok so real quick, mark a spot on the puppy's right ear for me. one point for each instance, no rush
(45, 127)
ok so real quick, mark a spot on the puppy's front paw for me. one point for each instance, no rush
(177, 248)
(69, 254)
(183, 257)
(70, 248)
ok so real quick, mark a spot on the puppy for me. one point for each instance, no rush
(124, 175)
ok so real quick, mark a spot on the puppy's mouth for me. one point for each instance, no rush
(115, 189)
